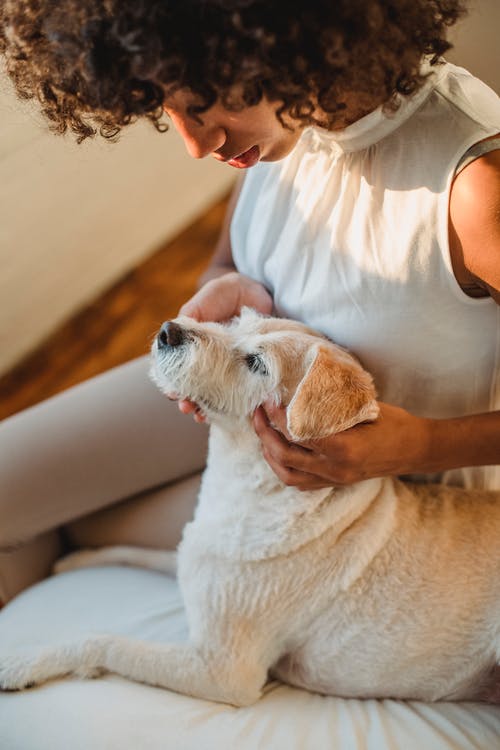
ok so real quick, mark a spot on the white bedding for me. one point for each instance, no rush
(111, 713)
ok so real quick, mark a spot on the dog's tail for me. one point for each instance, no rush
(163, 561)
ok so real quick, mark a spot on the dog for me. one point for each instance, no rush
(381, 589)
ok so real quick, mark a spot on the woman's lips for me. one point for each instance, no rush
(246, 159)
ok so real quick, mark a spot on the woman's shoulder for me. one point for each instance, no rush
(475, 226)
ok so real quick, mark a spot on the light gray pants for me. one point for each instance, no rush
(112, 439)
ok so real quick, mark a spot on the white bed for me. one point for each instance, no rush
(111, 713)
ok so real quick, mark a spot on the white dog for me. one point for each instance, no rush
(380, 589)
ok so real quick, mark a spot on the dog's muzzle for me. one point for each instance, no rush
(171, 335)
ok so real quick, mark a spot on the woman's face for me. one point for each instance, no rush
(239, 138)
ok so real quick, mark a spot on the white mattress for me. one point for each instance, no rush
(111, 713)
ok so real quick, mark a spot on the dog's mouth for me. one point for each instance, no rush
(168, 354)
(171, 365)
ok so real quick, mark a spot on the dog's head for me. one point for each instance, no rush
(228, 370)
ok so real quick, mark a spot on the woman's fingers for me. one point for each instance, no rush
(189, 407)
(295, 465)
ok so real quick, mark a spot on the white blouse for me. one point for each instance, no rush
(350, 234)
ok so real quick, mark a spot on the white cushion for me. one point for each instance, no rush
(111, 713)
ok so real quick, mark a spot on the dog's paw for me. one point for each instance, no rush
(25, 668)
(20, 670)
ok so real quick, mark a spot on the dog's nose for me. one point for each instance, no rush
(171, 334)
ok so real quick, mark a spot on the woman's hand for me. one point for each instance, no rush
(395, 444)
(391, 445)
(219, 300)
(222, 298)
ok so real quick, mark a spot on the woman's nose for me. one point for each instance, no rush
(200, 139)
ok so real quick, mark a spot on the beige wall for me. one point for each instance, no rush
(477, 40)
(73, 219)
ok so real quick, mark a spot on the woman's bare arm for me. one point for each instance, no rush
(222, 258)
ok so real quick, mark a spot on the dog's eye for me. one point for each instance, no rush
(255, 363)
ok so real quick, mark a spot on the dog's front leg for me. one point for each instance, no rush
(203, 672)
(231, 676)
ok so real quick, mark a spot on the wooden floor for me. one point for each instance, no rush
(120, 324)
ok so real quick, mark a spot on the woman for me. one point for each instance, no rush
(369, 207)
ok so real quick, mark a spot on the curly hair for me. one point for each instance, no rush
(98, 65)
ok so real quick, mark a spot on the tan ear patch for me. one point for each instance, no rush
(332, 396)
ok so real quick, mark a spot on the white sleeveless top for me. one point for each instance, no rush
(350, 234)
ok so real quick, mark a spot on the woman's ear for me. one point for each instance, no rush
(334, 394)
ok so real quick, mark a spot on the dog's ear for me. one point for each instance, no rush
(334, 394)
